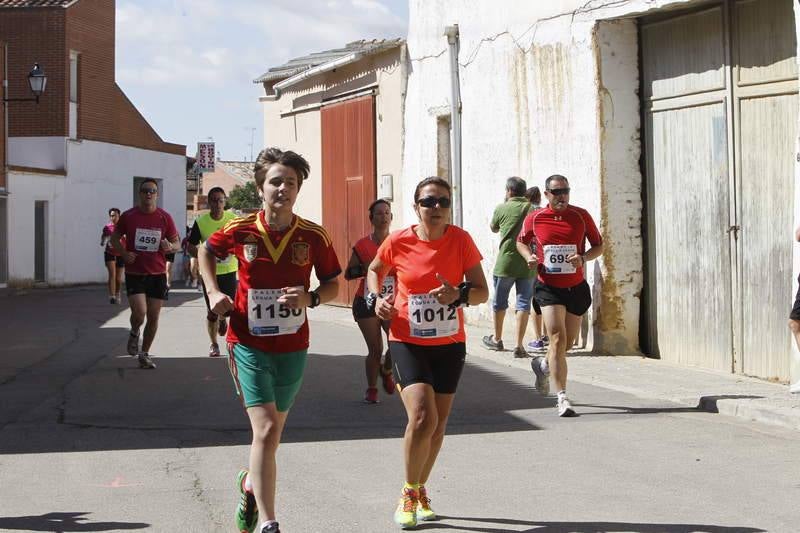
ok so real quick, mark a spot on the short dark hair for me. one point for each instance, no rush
(271, 156)
(375, 204)
(516, 186)
(534, 195)
(554, 177)
(215, 190)
(148, 180)
(431, 180)
(114, 210)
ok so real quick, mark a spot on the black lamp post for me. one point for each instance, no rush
(38, 82)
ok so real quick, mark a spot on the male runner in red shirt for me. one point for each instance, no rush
(268, 331)
(150, 234)
(560, 231)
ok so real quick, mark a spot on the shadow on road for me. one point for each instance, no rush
(577, 527)
(64, 522)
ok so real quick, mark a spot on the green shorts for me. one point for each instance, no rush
(262, 377)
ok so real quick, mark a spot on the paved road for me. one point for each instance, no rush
(88, 442)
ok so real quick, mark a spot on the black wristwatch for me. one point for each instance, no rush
(371, 300)
(314, 299)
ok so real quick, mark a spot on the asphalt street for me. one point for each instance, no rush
(89, 442)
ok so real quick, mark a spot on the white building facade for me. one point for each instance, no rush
(676, 123)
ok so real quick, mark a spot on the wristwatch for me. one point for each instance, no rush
(371, 300)
(314, 299)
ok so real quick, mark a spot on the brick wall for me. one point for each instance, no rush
(36, 35)
(104, 112)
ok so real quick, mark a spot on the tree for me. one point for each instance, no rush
(244, 197)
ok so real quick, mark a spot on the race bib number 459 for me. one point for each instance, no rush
(555, 258)
(429, 319)
(147, 240)
(266, 317)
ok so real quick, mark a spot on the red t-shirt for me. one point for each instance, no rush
(108, 229)
(557, 233)
(143, 232)
(416, 263)
(271, 259)
(365, 249)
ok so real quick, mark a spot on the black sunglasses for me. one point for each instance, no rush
(559, 192)
(432, 201)
(148, 191)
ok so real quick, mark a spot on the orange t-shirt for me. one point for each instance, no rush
(416, 263)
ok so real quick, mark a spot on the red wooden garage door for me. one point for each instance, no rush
(348, 177)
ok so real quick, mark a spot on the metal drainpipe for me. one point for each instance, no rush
(455, 123)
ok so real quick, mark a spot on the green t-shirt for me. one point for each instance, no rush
(508, 216)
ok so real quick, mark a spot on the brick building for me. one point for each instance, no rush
(226, 174)
(80, 150)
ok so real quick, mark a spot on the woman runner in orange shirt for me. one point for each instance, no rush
(432, 260)
(380, 216)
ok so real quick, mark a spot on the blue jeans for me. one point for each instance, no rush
(502, 287)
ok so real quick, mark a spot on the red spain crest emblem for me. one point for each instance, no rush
(300, 253)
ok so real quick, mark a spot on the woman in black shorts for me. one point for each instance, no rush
(115, 265)
(380, 217)
(438, 270)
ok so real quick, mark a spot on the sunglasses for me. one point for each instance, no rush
(559, 192)
(148, 191)
(432, 201)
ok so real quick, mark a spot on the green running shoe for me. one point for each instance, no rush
(246, 511)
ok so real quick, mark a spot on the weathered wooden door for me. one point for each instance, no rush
(765, 104)
(720, 114)
(348, 176)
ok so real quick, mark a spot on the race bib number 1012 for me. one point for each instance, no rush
(429, 319)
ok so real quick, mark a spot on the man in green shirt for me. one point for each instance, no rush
(510, 268)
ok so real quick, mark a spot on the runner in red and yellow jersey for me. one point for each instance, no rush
(560, 232)
(268, 331)
(364, 251)
(432, 260)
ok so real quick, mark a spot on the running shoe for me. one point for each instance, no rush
(388, 381)
(536, 346)
(520, 353)
(424, 511)
(112, 300)
(546, 340)
(247, 511)
(271, 528)
(119, 298)
(145, 361)
(222, 326)
(133, 344)
(213, 350)
(371, 396)
(565, 407)
(492, 344)
(542, 378)
(405, 515)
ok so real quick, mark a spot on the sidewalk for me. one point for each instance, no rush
(714, 392)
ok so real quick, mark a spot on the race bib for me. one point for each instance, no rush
(555, 258)
(429, 319)
(387, 289)
(266, 317)
(147, 240)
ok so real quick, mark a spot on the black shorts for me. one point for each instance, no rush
(227, 284)
(151, 285)
(576, 299)
(360, 309)
(795, 314)
(536, 308)
(107, 257)
(438, 366)
(170, 258)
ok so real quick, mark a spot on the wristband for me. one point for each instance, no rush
(463, 294)
(314, 299)
(371, 300)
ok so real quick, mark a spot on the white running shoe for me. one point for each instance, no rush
(542, 383)
(565, 407)
(145, 361)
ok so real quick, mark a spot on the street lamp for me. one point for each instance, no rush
(38, 82)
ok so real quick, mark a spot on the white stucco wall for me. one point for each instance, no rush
(545, 89)
(38, 152)
(99, 176)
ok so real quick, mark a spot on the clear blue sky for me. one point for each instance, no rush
(189, 65)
